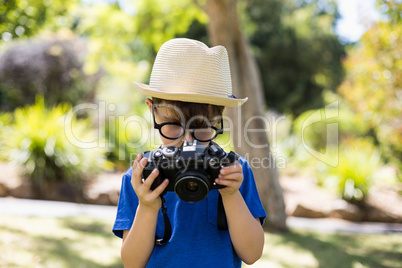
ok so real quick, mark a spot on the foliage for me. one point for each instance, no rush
(5, 120)
(341, 155)
(117, 48)
(354, 175)
(157, 21)
(49, 66)
(297, 53)
(373, 85)
(25, 18)
(392, 8)
(313, 126)
(127, 136)
(197, 30)
(46, 147)
(111, 43)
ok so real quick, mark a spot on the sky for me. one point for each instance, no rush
(357, 16)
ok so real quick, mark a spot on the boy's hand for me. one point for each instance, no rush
(142, 188)
(232, 177)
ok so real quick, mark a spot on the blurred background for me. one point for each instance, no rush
(326, 75)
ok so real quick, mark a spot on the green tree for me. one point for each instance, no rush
(109, 44)
(373, 84)
(392, 9)
(20, 18)
(297, 54)
(158, 21)
(296, 51)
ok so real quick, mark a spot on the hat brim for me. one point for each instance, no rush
(189, 97)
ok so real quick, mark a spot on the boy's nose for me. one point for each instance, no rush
(188, 136)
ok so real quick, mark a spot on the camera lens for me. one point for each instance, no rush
(191, 186)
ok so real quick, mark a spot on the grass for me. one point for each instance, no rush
(86, 242)
(309, 249)
(58, 242)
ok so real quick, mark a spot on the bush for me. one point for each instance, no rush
(52, 67)
(359, 159)
(126, 139)
(315, 132)
(5, 120)
(37, 140)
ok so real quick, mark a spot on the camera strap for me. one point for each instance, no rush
(221, 220)
(168, 227)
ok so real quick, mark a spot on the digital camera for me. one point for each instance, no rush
(191, 168)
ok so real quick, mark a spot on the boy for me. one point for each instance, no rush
(190, 85)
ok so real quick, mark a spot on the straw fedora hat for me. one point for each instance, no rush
(188, 70)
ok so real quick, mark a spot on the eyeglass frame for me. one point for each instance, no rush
(159, 127)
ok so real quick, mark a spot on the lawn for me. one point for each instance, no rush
(86, 242)
(58, 242)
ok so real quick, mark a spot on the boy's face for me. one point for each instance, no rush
(164, 114)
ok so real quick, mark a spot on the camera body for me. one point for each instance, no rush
(191, 169)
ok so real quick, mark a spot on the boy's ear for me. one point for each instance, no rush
(149, 103)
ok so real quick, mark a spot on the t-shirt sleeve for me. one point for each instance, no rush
(249, 192)
(127, 206)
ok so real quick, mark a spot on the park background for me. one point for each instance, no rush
(330, 107)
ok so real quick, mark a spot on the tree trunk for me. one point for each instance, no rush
(224, 29)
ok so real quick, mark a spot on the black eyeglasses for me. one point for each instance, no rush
(175, 130)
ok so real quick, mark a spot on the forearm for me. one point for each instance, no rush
(138, 245)
(245, 231)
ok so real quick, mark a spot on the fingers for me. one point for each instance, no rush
(150, 180)
(231, 176)
(233, 168)
(159, 190)
(143, 186)
(145, 191)
(230, 180)
(147, 183)
(228, 183)
(138, 167)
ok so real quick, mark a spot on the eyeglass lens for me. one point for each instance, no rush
(175, 131)
(204, 134)
(172, 131)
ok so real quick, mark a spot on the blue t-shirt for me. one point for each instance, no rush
(196, 240)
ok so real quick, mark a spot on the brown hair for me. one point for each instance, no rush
(191, 111)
